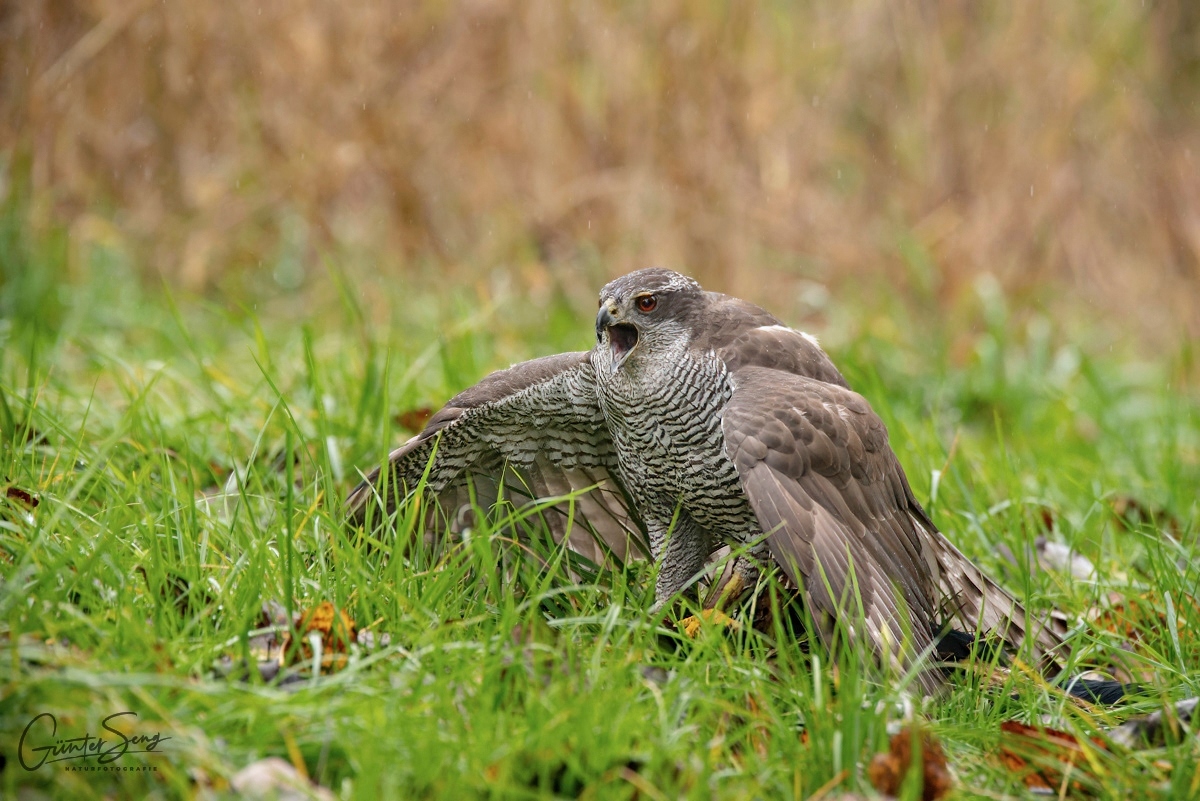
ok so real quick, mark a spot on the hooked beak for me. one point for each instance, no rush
(622, 337)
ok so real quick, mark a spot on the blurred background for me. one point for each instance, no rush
(878, 153)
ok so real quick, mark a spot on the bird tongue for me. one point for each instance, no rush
(622, 338)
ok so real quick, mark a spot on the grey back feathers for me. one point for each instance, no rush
(698, 421)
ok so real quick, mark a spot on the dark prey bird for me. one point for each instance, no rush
(700, 420)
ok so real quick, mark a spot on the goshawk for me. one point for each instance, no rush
(700, 420)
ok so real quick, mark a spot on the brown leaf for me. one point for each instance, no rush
(414, 419)
(337, 631)
(1130, 616)
(1045, 517)
(25, 497)
(758, 734)
(888, 770)
(1042, 757)
(33, 436)
(1131, 512)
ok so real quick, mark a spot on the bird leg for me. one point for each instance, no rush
(680, 548)
(738, 575)
(741, 574)
(715, 614)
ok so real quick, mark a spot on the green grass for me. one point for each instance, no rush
(189, 458)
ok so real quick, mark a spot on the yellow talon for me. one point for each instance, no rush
(691, 624)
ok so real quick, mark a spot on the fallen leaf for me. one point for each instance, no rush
(889, 770)
(276, 778)
(18, 494)
(1130, 616)
(32, 435)
(414, 419)
(1045, 516)
(1042, 756)
(337, 632)
(759, 733)
(1131, 513)
(1055, 556)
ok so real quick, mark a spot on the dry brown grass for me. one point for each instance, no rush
(890, 144)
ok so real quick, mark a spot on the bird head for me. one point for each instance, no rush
(643, 314)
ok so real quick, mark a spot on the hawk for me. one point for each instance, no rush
(697, 421)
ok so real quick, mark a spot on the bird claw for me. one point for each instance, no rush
(730, 592)
(691, 625)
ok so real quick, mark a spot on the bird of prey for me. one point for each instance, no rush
(700, 420)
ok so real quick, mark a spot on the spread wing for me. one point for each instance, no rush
(530, 432)
(828, 491)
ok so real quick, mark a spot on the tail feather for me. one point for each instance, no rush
(979, 604)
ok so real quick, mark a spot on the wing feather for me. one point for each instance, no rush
(824, 483)
(530, 432)
(823, 490)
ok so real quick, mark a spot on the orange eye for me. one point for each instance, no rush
(646, 303)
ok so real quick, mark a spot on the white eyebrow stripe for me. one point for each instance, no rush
(785, 329)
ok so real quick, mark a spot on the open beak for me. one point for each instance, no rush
(622, 337)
